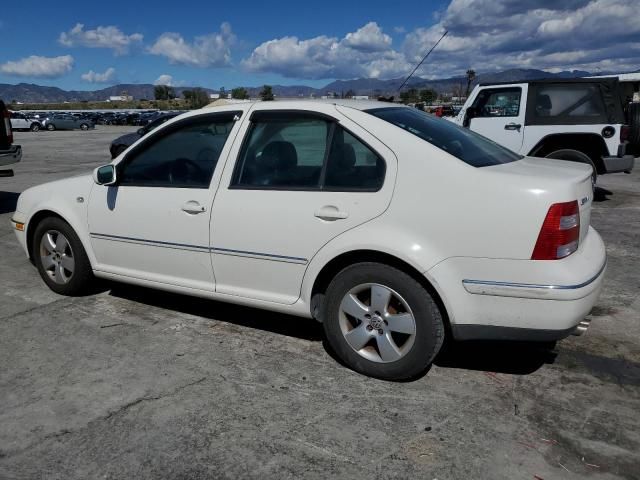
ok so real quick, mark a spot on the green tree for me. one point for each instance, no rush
(350, 94)
(471, 76)
(267, 93)
(164, 92)
(410, 96)
(428, 95)
(239, 93)
(196, 98)
(223, 93)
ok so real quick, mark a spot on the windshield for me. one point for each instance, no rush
(462, 143)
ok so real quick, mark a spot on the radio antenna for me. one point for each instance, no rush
(422, 61)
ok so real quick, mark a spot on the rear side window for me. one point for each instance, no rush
(566, 104)
(289, 152)
(462, 143)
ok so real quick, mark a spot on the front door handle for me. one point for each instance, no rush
(330, 213)
(513, 126)
(193, 207)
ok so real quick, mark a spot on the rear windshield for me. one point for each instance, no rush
(462, 143)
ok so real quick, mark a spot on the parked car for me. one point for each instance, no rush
(65, 121)
(579, 120)
(392, 227)
(9, 153)
(20, 121)
(123, 142)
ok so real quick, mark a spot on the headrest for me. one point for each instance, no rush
(281, 155)
(543, 102)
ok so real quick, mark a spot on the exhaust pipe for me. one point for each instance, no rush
(582, 327)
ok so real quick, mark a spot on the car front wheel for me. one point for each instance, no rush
(35, 127)
(381, 322)
(60, 258)
(51, 127)
(84, 126)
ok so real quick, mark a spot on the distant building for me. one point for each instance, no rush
(120, 98)
(214, 96)
(360, 97)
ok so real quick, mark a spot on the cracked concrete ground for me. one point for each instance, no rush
(132, 383)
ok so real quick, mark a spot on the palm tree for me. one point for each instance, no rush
(471, 75)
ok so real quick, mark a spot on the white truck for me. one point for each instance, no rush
(581, 120)
(9, 153)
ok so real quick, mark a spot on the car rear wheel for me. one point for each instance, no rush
(35, 127)
(84, 126)
(60, 258)
(381, 322)
(576, 156)
(51, 127)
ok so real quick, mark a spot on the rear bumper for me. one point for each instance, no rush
(521, 299)
(12, 155)
(623, 163)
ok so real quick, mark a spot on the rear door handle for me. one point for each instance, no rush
(513, 126)
(193, 207)
(330, 213)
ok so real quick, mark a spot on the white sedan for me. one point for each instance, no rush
(393, 228)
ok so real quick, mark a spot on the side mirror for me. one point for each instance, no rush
(141, 132)
(105, 175)
(472, 112)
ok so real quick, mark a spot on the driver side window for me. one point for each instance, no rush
(183, 157)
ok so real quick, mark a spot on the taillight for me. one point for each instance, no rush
(560, 232)
(624, 133)
(7, 126)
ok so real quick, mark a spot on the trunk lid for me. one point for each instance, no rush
(555, 180)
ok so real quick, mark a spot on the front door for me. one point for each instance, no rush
(154, 224)
(499, 115)
(300, 179)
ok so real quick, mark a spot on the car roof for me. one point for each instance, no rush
(302, 104)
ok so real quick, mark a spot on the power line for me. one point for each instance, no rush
(422, 61)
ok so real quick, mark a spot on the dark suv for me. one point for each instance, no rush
(120, 144)
(9, 153)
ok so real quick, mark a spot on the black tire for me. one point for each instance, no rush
(429, 327)
(35, 127)
(81, 278)
(84, 127)
(576, 156)
(634, 122)
(51, 127)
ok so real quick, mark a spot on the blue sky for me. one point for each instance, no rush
(89, 45)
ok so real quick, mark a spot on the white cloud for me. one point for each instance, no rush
(487, 35)
(101, 37)
(212, 50)
(368, 39)
(164, 79)
(366, 52)
(36, 66)
(491, 35)
(109, 75)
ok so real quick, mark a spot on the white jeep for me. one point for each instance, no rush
(581, 120)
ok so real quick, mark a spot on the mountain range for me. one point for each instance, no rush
(31, 93)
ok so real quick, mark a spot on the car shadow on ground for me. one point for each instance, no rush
(282, 324)
(520, 358)
(515, 358)
(601, 194)
(8, 202)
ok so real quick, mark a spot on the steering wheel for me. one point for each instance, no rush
(180, 170)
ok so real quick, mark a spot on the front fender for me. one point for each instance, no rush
(69, 203)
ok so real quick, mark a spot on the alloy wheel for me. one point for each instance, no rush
(377, 323)
(56, 256)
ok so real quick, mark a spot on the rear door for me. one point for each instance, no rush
(500, 113)
(299, 179)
